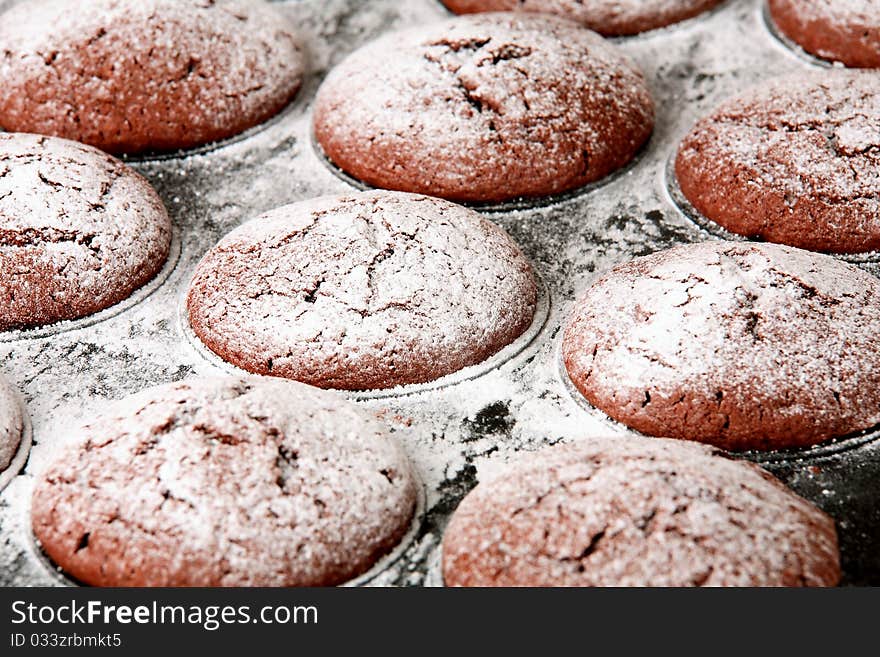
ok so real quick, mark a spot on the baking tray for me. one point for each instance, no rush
(459, 432)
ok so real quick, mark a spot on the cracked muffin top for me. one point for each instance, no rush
(484, 108)
(11, 424)
(627, 511)
(80, 231)
(607, 17)
(744, 346)
(794, 161)
(130, 76)
(225, 482)
(846, 31)
(365, 291)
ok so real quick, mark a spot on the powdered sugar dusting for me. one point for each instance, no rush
(131, 75)
(363, 291)
(608, 17)
(846, 31)
(80, 230)
(848, 10)
(626, 511)
(226, 482)
(795, 160)
(484, 108)
(11, 424)
(741, 345)
(458, 433)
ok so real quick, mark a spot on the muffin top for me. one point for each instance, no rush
(362, 291)
(484, 108)
(794, 161)
(80, 230)
(745, 346)
(130, 76)
(607, 17)
(846, 31)
(628, 511)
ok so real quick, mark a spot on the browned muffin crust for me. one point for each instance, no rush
(364, 291)
(607, 17)
(793, 161)
(846, 31)
(627, 511)
(80, 231)
(484, 108)
(744, 346)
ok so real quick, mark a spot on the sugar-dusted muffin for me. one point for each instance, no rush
(80, 231)
(130, 76)
(629, 511)
(225, 482)
(846, 31)
(745, 346)
(484, 108)
(362, 291)
(11, 424)
(793, 161)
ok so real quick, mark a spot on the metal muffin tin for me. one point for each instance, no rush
(457, 433)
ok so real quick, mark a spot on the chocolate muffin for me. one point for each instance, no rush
(11, 424)
(130, 76)
(80, 231)
(626, 511)
(846, 31)
(793, 161)
(365, 291)
(225, 482)
(607, 17)
(744, 346)
(484, 108)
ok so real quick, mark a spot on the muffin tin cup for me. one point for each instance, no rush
(383, 564)
(497, 360)
(503, 207)
(24, 445)
(711, 229)
(793, 455)
(135, 298)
